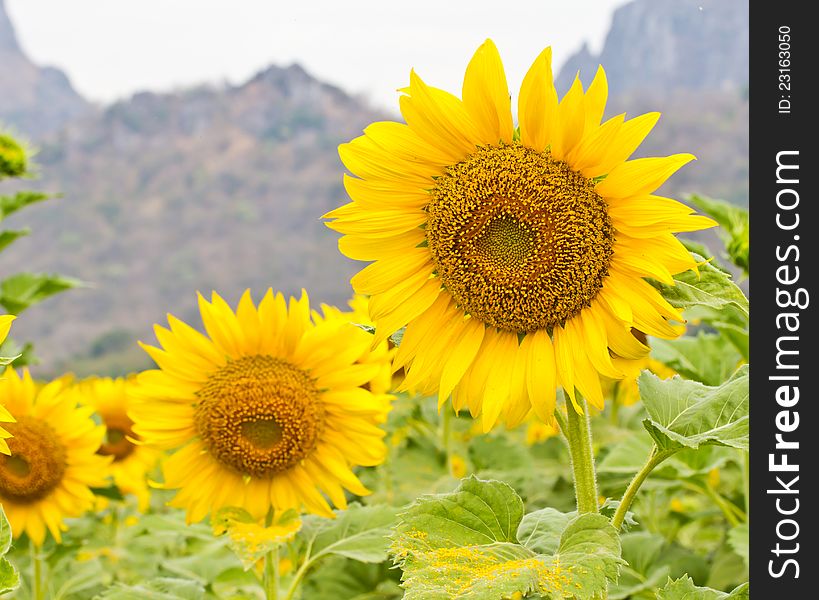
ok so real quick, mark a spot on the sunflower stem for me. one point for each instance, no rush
(654, 459)
(580, 448)
(37, 574)
(271, 574)
(446, 435)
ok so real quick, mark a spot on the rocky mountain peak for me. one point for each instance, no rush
(670, 44)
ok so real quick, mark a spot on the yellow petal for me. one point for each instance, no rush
(486, 95)
(537, 104)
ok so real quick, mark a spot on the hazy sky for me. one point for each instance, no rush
(112, 48)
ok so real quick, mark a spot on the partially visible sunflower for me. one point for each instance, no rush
(516, 258)
(131, 462)
(267, 410)
(382, 353)
(5, 416)
(53, 462)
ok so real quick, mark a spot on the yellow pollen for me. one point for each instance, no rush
(259, 415)
(519, 239)
(116, 442)
(37, 462)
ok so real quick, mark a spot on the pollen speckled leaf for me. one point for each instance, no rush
(685, 413)
(684, 589)
(711, 287)
(456, 547)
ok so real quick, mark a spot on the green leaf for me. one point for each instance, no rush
(626, 457)
(20, 291)
(735, 225)
(360, 532)
(160, 588)
(688, 414)
(9, 577)
(10, 235)
(684, 589)
(711, 287)
(11, 204)
(249, 540)
(478, 512)
(5, 533)
(706, 357)
(739, 538)
(462, 546)
(540, 530)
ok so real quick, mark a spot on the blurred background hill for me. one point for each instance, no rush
(221, 187)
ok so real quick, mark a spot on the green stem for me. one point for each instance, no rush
(294, 585)
(654, 459)
(580, 447)
(37, 574)
(562, 423)
(446, 434)
(271, 574)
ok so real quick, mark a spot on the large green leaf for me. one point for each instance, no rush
(464, 546)
(710, 287)
(688, 414)
(360, 532)
(478, 512)
(20, 291)
(684, 589)
(11, 204)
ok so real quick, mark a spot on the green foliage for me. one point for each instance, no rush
(161, 588)
(711, 287)
(734, 227)
(9, 577)
(359, 533)
(20, 291)
(13, 162)
(688, 414)
(474, 544)
(684, 589)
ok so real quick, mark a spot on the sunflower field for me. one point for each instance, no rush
(538, 390)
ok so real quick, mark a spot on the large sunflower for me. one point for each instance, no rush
(267, 410)
(5, 416)
(131, 461)
(515, 257)
(53, 460)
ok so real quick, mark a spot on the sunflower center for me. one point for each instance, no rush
(519, 239)
(260, 415)
(116, 442)
(37, 462)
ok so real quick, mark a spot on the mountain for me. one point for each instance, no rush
(166, 194)
(687, 59)
(34, 100)
(670, 45)
(222, 188)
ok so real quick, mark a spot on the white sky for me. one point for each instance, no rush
(112, 48)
